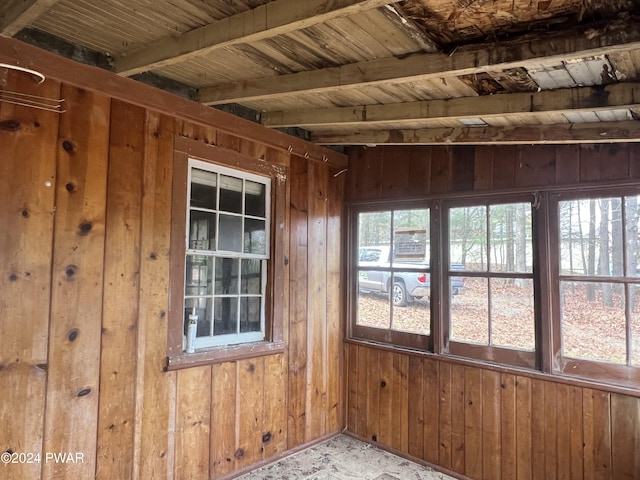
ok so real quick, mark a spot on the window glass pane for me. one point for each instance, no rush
(198, 275)
(254, 198)
(226, 315)
(468, 237)
(230, 194)
(203, 189)
(510, 238)
(202, 230)
(374, 230)
(374, 309)
(410, 297)
(251, 276)
(250, 308)
(512, 313)
(230, 233)
(593, 321)
(591, 237)
(470, 313)
(226, 276)
(255, 236)
(411, 238)
(632, 219)
(203, 309)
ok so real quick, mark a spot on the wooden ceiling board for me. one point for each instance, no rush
(119, 26)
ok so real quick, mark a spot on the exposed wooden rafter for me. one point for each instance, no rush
(601, 132)
(17, 14)
(591, 99)
(616, 37)
(275, 18)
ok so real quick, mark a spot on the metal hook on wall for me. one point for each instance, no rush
(39, 76)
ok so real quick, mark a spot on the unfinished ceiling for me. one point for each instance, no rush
(372, 71)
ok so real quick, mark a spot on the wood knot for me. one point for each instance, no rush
(71, 271)
(239, 453)
(67, 146)
(10, 125)
(84, 392)
(266, 437)
(25, 213)
(70, 187)
(84, 228)
(383, 384)
(13, 277)
(73, 334)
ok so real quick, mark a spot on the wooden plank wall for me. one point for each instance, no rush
(491, 425)
(85, 222)
(476, 421)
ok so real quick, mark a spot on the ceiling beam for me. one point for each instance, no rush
(600, 132)
(592, 99)
(265, 21)
(17, 14)
(468, 60)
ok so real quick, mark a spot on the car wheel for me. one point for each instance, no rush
(399, 295)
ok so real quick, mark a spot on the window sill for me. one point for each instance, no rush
(215, 355)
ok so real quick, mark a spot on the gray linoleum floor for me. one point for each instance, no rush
(342, 458)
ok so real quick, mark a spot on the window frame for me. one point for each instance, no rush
(400, 338)
(184, 150)
(503, 355)
(547, 358)
(599, 371)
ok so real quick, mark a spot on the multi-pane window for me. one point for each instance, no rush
(598, 303)
(490, 245)
(547, 281)
(393, 274)
(227, 240)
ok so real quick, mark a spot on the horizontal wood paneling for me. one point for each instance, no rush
(87, 220)
(490, 425)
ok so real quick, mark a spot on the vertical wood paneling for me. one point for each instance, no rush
(473, 422)
(387, 387)
(625, 434)
(74, 331)
(457, 419)
(193, 421)
(316, 407)
(352, 370)
(538, 169)
(567, 164)
(373, 394)
(537, 430)
(597, 435)
(508, 426)
(491, 432)
(154, 447)
(298, 286)
(121, 292)
(335, 301)
(274, 430)
(550, 431)
(249, 411)
(483, 171)
(362, 386)
(27, 143)
(441, 171)
(400, 402)
(430, 389)
(419, 180)
(523, 428)
(445, 415)
(223, 419)
(416, 407)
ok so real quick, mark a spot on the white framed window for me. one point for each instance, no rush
(227, 238)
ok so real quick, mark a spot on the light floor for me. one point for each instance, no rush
(342, 458)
